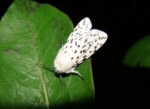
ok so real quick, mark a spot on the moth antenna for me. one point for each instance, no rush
(52, 69)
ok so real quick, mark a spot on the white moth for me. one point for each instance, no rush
(80, 45)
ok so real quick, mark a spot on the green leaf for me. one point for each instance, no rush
(32, 33)
(139, 53)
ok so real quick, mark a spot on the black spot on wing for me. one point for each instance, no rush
(84, 51)
(65, 52)
(75, 29)
(83, 46)
(95, 47)
(71, 41)
(71, 34)
(101, 44)
(76, 61)
(75, 51)
(90, 52)
(81, 38)
(84, 56)
(85, 41)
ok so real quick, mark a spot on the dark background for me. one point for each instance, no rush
(125, 22)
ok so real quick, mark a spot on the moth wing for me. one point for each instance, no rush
(82, 28)
(95, 39)
(72, 51)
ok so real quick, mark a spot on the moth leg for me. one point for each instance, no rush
(61, 81)
(76, 72)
